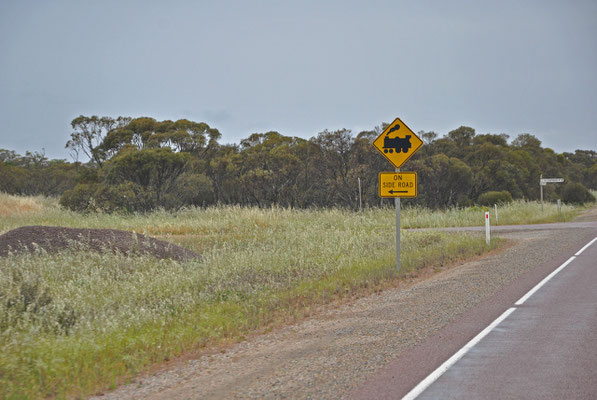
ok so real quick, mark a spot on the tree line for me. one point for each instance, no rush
(139, 164)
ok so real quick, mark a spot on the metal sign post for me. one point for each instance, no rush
(541, 184)
(360, 197)
(397, 203)
(397, 143)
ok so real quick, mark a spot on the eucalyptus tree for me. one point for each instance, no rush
(88, 135)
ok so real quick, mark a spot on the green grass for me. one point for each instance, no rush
(76, 322)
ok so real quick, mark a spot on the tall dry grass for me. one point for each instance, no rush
(515, 213)
(76, 322)
(11, 205)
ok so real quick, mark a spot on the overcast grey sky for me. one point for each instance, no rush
(300, 67)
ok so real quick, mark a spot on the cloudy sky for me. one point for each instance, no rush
(300, 67)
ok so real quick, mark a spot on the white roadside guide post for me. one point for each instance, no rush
(487, 227)
(397, 143)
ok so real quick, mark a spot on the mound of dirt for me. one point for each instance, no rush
(54, 239)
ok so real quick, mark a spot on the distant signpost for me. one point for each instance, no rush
(397, 143)
(545, 181)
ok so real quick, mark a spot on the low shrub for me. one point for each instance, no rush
(80, 198)
(494, 197)
(190, 189)
(576, 193)
(464, 201)
(125, 197)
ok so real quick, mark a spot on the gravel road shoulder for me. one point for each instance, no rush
(327, 356)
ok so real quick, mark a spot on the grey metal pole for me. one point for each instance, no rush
(360, 197)
(397, 202)
(541, 190)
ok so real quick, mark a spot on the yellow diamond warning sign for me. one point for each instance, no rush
(398, 184)
(397, 143)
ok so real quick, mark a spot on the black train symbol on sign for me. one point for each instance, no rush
(396, 144)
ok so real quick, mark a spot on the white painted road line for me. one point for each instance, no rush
(425, 383)
(543, 282)
(586, 246)
(561, 267)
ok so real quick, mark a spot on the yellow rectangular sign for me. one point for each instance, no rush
(398, 184)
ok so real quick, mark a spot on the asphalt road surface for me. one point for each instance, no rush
(543, 346)
(517, 228)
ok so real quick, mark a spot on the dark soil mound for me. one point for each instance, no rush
(54, 239)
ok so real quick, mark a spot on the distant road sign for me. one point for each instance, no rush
(398, 184)
(544, 181)
(397, 143)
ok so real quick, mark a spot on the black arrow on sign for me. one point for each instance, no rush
(392, 191)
